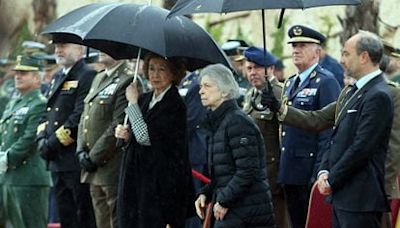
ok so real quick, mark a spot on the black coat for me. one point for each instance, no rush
(356, 157)
(156, 186)
(238, 168)
(64, 107)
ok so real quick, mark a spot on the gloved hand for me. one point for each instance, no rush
(268, 99)
(45, 152)
(85, 162)
(3, 162)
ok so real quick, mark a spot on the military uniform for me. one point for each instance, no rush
(59, 131)
(104, 109)
(25, 183)
(301, 150)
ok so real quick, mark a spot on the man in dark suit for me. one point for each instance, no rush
(310, 89)
(352, 171)
(96, 150)
(57, 133)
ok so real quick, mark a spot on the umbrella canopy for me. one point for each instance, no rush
(120, 29)
(184, 7)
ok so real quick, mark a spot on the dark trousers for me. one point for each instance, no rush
(73, 200)
(104, 199)
(347, 219)
(297, 198)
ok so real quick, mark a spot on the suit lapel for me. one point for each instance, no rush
(355, 98)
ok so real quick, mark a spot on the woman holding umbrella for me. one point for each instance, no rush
(155, 188)
(239, 188)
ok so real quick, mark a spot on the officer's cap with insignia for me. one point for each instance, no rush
(65, 38)
(256, 55)
(303, 34)
(28, 63)
(234, 49)
(30, 46)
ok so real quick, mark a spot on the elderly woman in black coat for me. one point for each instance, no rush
(155, 189)
(239, 187)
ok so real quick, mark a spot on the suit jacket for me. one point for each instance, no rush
(64, 107)
(269, 126)
(359, 142)
(104, 109)
(301, 150)
(325, 118)
(17, 135)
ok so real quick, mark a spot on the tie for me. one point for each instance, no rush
(351, 92)
(296, 84)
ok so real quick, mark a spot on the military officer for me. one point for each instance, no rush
(25, 182)
(234, 49)
(310, 89)
(96, 150)
(255, 64)
(57, 133)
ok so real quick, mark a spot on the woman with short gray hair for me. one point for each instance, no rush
(239, 188)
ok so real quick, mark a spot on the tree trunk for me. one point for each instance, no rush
(364, 17)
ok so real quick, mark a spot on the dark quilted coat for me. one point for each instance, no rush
(237, 168)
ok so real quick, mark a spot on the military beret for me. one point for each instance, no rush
(65, 38)
(256, 55)
(303, 34)
(28, 63)
(279, 65)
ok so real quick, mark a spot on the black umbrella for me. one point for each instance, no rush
(185, 7)
(121, 29)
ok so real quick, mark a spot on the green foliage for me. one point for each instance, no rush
(23, 35)
(327, 26)
(279, 36)
(215, 31)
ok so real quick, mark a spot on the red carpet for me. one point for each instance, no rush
(319, 212)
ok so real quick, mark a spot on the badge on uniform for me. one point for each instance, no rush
(20, 113)
(70, 85)
(307, 92)
(108, 91)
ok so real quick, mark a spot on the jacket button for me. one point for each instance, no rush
(262, 116)
(283, 149)
(85, 130)
(56, 109)
(48, 109)
(55, 123)
(301, 103)
(283, 133)
(289, 103)
(91, 103)
(24, 162)
(87, 144)
(331, 142)
(101, 102)
(334, 127)
(311, 154)
(86, 117)
(272, 159)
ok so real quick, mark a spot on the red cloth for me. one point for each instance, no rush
(319, 212)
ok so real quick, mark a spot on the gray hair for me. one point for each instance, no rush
(224, 79)
(370, 43)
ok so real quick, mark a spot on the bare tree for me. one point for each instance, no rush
(364, 16)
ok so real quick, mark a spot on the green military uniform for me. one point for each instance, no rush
(26, 182)
(269, 126)
(103, 110)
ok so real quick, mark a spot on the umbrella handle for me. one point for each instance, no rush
(120, 142)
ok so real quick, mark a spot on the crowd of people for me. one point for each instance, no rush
(87, 143)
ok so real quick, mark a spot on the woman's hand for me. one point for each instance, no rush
(122, 132)
(200, 205)
(132, 93)
(219, 211)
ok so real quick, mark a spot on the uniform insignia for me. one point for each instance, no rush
(22, 111)
(297, 31)
(287, 83)
(313, 74)
(108, 91)
(70, 85)
(307, 92)
(244, 141)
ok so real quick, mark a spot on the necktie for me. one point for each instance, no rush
(351, 92)
(296, 84)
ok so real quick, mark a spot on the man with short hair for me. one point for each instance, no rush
(259, 69)
(310, 89)
(57, 133)
(25, 183)
(352, 171)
